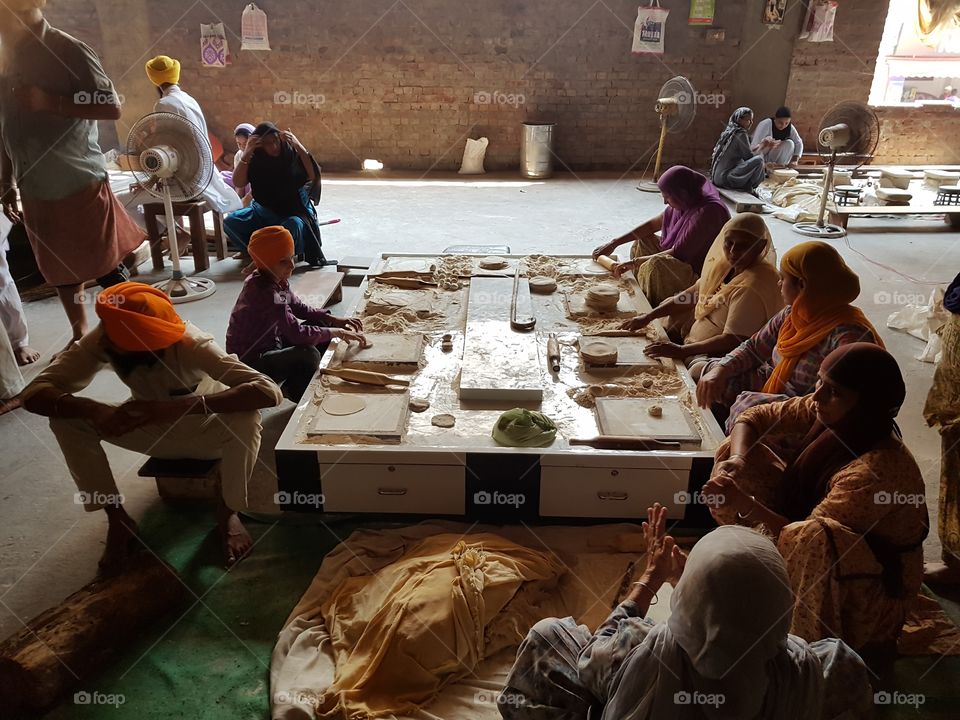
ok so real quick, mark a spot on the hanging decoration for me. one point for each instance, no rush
(774, 12)
(818, 25)
(702, 12)
(254, 29)
(214, 51)
(648, 31)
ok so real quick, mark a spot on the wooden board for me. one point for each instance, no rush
(384, 418)
(387, 349)
(577, 306)
(318, 287)
(841, 215)
(742, 201)
(629, 351)
(499, 363)
(408, 266)
(630, 417)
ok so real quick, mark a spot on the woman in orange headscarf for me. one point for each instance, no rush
(782, 359)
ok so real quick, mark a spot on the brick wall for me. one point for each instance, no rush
(823, 74)
(399, 80)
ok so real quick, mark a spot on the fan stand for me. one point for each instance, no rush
(651, 185)
(821, 229)
(179, 288)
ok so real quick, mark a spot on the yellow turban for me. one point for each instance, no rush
(163, 69)
(138, 317)
(270, 245)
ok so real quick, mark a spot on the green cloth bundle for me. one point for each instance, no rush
(524, 428)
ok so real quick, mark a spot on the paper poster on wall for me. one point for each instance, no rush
(648, 31)
(774, 12)
(214, 51)
(254, 29)
(818, 25)
(701, 12)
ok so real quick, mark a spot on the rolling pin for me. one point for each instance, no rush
(365, 377)
(406, 283)
(606, 261)
(624, 442)
(553, 353)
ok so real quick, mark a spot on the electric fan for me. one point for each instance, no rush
(676, 106)
(175, 165)
(849, 131)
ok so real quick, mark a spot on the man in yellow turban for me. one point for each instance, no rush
(163, 70)
(273, 330)
(189, 399)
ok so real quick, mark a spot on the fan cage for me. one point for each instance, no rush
(864, 133)
(195, 158)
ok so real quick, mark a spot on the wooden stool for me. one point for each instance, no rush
(185, 481)
(894, 177)
(846, 195)
(894, 196)
(948, 195)
(938, 178)
(194, 210)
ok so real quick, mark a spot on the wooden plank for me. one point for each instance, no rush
(499, 363)
(742, 201)
(318, 287)
(897, 209)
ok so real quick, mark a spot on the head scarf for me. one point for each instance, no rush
(829, 288)
(276, 181)
(138, 317)
(714, 291)
(162, 70)
(245, 129)
(727, 635)
(270, 245)
(689, 229)
(874, 375)
(782, 112)
(951, 299)
(732, 128)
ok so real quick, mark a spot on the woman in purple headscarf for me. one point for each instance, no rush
(689, 224)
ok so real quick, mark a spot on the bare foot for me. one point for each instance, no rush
(235, 539)
(122, 542)
(26, 355)
(11, 404)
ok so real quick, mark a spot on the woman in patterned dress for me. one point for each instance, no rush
(782, 359)
(828, 475)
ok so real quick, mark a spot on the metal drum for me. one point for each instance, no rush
(536, 150)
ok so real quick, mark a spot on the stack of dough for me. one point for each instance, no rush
(603, 297)
(598, 352)
(542, 284)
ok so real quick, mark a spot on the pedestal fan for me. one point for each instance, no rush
(173, 162)
(849, 131)
(676, 106)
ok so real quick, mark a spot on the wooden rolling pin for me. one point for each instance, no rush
(365, 377)
(406, 283)
(553, 353)
(606, 261)
(624, 442)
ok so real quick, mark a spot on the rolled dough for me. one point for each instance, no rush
(542, 284)
(493, 262)
(598, 352)
(444, 420)
(342, 404)
(603, 296)
(419, 405)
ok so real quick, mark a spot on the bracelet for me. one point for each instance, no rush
(203, 405)
(56, 404)
(741, 516)
(653, 596)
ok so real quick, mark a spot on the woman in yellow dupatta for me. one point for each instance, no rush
(736, 294)
(782, 359)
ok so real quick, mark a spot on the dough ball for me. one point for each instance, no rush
(655, 411)
(419, 405)
(444, 420)
(647, 383)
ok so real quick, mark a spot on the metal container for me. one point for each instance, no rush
(536, 150)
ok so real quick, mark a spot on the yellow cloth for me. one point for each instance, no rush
(829, 288)
(402, 634)
(163, 69)
(270, 245)
(138, 317)
(713, 291)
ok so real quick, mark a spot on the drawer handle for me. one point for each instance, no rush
(391, 491)
(612, 495)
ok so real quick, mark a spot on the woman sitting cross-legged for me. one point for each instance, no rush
(271, 329)
(830, 477)
(734, 163)
(736, 296)
(782, 359)
(693, 217)
(723, 653)
(277, 167)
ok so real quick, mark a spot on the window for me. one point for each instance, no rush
(913, 71)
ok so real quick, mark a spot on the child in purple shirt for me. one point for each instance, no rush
(271, 329)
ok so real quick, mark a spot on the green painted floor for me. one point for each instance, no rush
(211, 659)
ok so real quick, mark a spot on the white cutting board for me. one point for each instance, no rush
(629, 350)
(384, 417)
(631, 417)
(386, 348)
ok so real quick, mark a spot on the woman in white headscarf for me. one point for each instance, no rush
(724, 652)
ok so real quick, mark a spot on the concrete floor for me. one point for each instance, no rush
(50, 546)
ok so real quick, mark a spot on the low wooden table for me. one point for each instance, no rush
(194, 210)
(841, 216)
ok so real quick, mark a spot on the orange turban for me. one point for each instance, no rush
(138, 317)
(270, 245)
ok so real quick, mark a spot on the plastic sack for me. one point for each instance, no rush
(524, 428)
(923, 322)
(254, 29)
(818, 25)
(214, 51)
(649, 30)
(473, 153)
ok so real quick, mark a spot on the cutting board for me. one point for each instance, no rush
(387, 349)
(630, 417)
(629, 350)
(383, 418)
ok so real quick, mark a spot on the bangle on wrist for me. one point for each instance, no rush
(203, 405)
(753, 500)
(653, 595)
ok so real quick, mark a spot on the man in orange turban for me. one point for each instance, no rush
(273, 330)
(189, 399)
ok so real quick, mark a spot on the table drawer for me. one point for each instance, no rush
(610, 492)
(421, 489)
